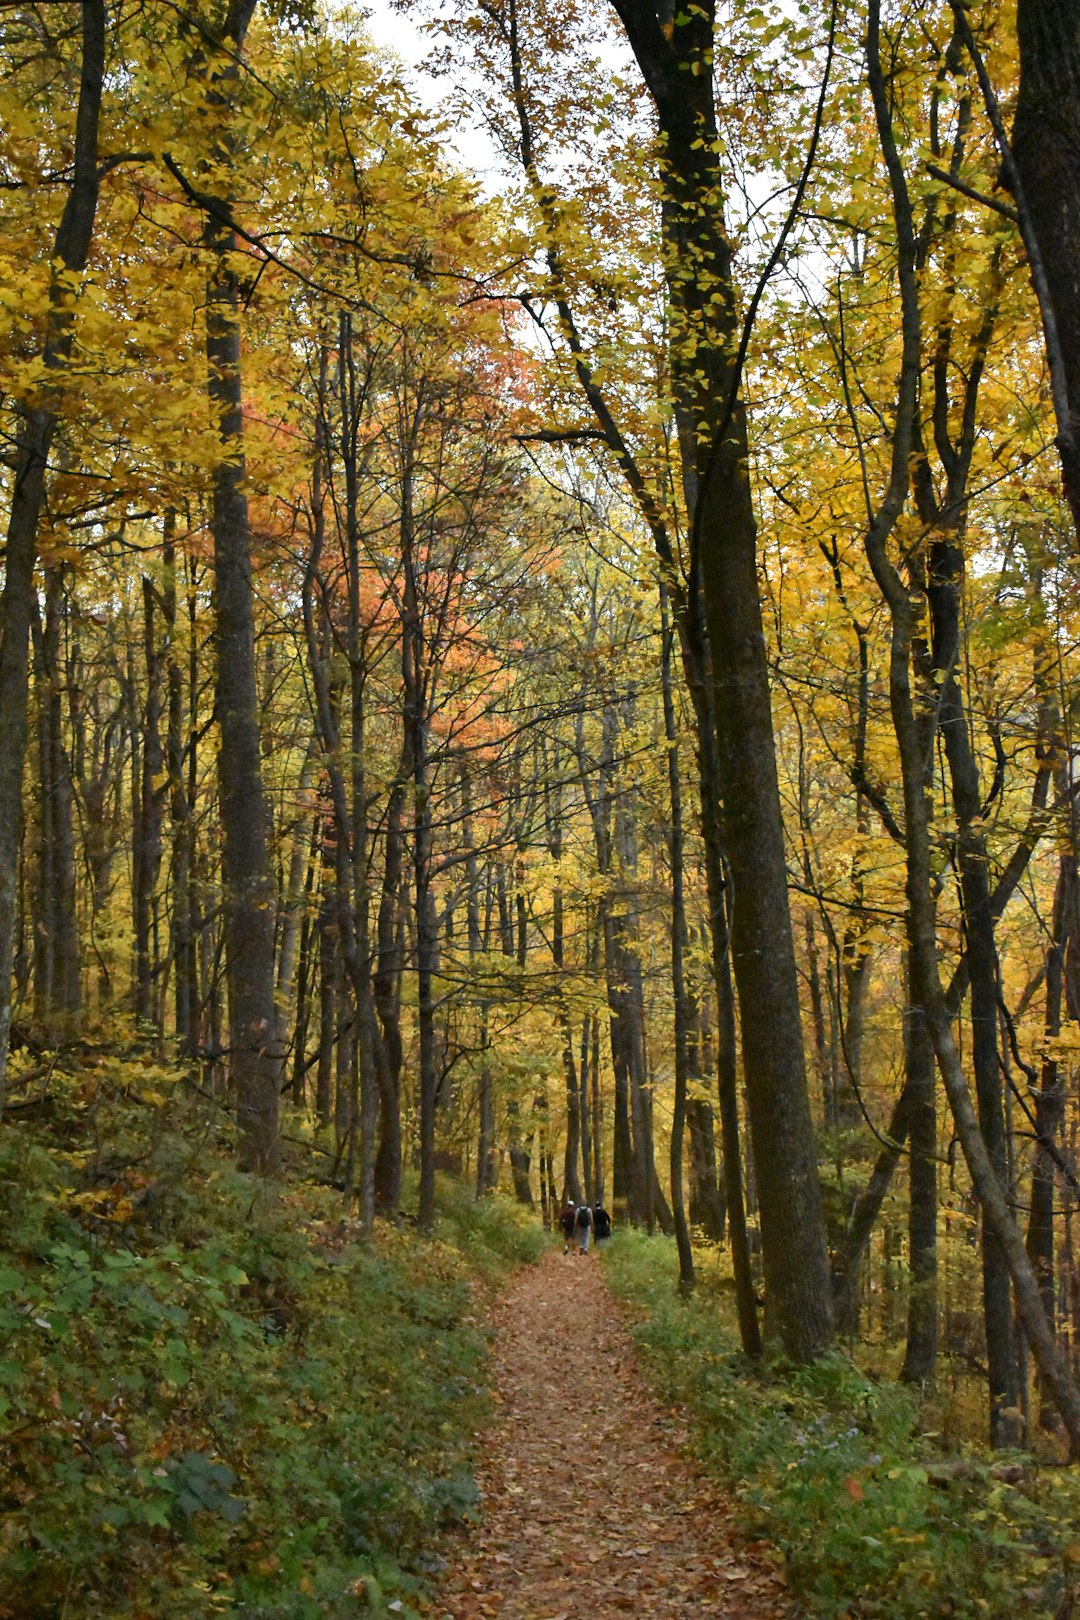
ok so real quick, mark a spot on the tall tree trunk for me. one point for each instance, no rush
(414, 680)
(679, 942)
(57, 989)
(36, 428)
(255, 1056)
(943, 591)
(922, 937)
(1046, 178)
(625, 1183)
(146, 853)
(295, 887)
(920, 1355)
(368, 1038)
(676, 62)
(386, 985)
(574, 1110)
(328, 979)
(520, 1154)
(1050, 1100)
(303, 975)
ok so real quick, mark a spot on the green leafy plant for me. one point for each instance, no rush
(217, 1401)
(832, 1467)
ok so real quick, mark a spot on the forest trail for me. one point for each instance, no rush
(590, 1510)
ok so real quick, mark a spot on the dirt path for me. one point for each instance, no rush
(590, 1511)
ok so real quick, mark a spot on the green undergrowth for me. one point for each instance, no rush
(832, 1467)
(213, 1398)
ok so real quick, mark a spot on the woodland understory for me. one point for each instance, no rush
(561, 675)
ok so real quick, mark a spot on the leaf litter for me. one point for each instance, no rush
(592, 1511)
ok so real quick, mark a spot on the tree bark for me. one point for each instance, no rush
(386, 983)
(920, 1355)
(926, 983)
(57, 989)
(676, 62)
(36, 427)
(679, 941)
(255, 1055)
(1046, 150)
(146, 853)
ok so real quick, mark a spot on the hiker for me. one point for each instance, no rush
(583, 1227)
(566, 1221)
(601, 1223)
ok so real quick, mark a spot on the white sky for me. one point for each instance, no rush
(470, 145)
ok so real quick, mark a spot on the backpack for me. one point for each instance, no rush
(584, 1217)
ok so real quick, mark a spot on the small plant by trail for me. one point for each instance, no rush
(874, 1518)
(212, 1400)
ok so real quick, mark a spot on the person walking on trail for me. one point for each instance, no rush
(601, 1223)
(566, 1221)
(583, 1227)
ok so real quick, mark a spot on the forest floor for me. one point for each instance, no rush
(592, 1510)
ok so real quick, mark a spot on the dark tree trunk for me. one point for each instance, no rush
(255, 1057)
(182, 760)
(706, 1203)
(597, 1111)
(487, 1172)
(386, 986)
(147, 842)
(922, 932)
(574, 1095)
(416, 720)
(295, 889)
(676, 62)
(328, 979)
(1046, 149)
(370, 1059)
(619, 969)
(684, 1014)
(520, 1155)
(945, 576)
(1050, 1102)
(920, 1355)
(35, 431)
(303, 976)
(57, 990)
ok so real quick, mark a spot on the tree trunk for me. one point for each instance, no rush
(425, 920)
(1046, 138)
(146, 853)
(35, 431)
(943, 591)
(328, 978)
(182, 760)
(520, 1155)
(57, 989)
(926, 982)
(1050, 1102)
(386, 984)
(574, 1111)
(255, 1057)
(679, 942)
(677, 65)
(920, 1356)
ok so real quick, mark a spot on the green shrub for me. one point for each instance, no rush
(213, 1399)
(831, 1467)
(491, 1233)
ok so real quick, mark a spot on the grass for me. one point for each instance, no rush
(832, 1467)
(213, 1398)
